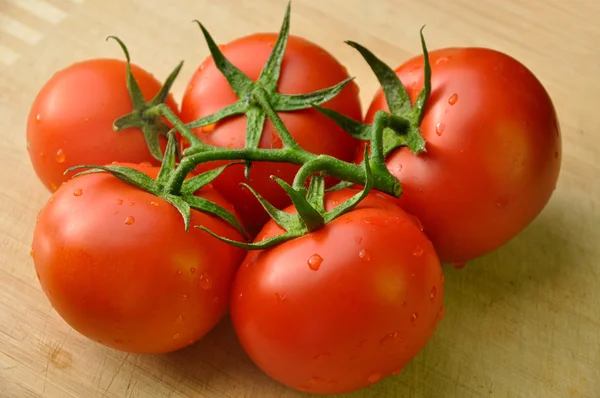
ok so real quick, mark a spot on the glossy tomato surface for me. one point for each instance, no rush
(343, 307)
(118, 266)
(71, 119)
(493, 150)
(306, 68)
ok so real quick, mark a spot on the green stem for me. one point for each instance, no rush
(186, 132)
(311, 163)
(261, 96)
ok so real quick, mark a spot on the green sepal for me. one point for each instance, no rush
(269, 76)
(316, 193)
(294, 102)
(361, 131)
(395, 93)
(123, 173)
(308, 214)
(339, 186)
(285, 220)
(263, 244)
(199, 181)
(351, 203)
(152, 127)
(240, 83)
(426, 91)
(168, 163)
(206, 206)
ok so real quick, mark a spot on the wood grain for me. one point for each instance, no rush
(523, 321)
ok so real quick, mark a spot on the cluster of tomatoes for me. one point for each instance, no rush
(332, 311)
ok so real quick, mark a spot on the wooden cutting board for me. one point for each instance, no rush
(523, 321)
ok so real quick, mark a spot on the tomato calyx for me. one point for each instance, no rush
(184, 200)
(403, 127)
(310, 210)
(257, 98)
(152, 127)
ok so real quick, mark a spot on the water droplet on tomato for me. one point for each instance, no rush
(358, 239)
(418, 251)
(131, 203)
(442, 60)
(315, 381)
(53, 186)
(460, 265)
(241, 296)
(129, 220)
(314, 262)
(397, 372)
(303, 388)
(154, 203)
(31, 253)
(176, 336)
(60, 156)
(184, 296)
(272, 43)
(192, 270)
(281, 297)
(374, 377)
(322, 357)
(334, 202)
(403, 304)
(204, 282)
(364, 255)
(388, 338)
(38, 118)
(118, 341)
(78, 192)
(85, 120)
(179, 319)
(452, 100)
(119, 201)
(414, 317)
(145, 164)
(439, 128)
(502, 201)
(434, 292)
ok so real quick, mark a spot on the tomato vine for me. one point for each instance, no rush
(259, 101)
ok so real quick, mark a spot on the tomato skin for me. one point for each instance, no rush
(306, 68)
(71, 119)
(368, 309)
(493, 150)
(126, 274)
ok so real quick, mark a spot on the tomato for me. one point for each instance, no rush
(306, 68)
(342, 307)
(493, 150)
(117, 265)
(71, 119)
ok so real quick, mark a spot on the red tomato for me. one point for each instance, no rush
(117, 265)
(493, 150)
(343, 307)
(71, 120)
(306, 68)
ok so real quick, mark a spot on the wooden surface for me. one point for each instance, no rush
(522, 322)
